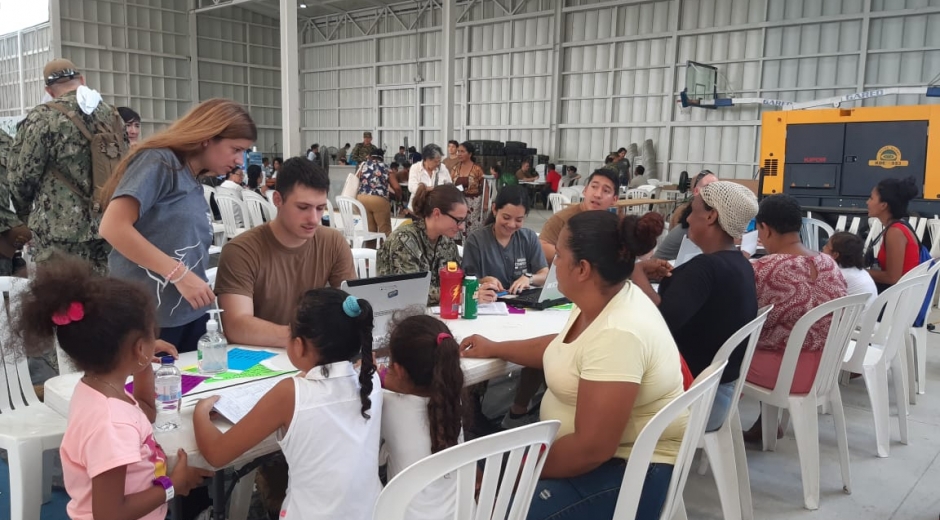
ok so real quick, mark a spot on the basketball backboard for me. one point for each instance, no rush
(700, 81)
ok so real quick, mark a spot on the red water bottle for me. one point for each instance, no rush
(451, 286)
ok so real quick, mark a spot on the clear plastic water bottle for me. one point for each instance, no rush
(213, 349)
(169, 387)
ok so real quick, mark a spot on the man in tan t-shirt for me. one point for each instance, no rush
(265, 271)
(599, 194)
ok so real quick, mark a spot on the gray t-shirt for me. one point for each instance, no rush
(175, 218)
(484, 256)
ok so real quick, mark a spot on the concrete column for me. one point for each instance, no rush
(448, 55)
(290, 80)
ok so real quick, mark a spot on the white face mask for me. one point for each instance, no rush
(45, 98)
(88, 99)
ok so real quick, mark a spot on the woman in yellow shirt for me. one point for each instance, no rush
(609, 371)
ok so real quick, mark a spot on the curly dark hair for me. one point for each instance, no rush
(435, 367)
(850, 248)
(781, 213)
(117, 313)
(323, 325)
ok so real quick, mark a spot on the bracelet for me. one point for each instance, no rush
(185, 272)
(178, 265)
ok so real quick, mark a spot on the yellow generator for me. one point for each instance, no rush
(830, 159)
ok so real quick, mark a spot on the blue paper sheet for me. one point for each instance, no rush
(243, 359)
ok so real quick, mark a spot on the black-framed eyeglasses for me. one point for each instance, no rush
(458, 221)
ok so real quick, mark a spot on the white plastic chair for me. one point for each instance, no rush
(919, 224)
(513, 452)
(874, 231)
(843, 224)
(640, 193)
(29, 430)
(270, 196)
(227, 207)
(210, 276)
(356, 233)
(259, 209)
(876, 351)
(208, 192)
(916, 340)
(802, 408)
(724, 447)
(810, 233)
(332, 214)
(933, 227)
(698, 401)
(557, 201)
(364, 260)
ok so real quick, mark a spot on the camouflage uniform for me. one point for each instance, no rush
(59, 219)
(361, 152)
(409, 250)
(8, 219)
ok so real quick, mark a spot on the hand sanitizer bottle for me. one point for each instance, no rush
(213, 349)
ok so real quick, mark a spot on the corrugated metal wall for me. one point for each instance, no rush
(240, 59)
(136, 53)
(612, 73)
(35, 46)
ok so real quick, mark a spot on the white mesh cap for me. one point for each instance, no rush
(736, 205)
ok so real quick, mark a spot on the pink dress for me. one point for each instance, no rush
(794, 284)
(103, 434)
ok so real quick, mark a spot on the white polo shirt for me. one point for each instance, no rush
(330, 448)
(418, 175)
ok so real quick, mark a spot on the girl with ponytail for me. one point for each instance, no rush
(327, 418)
(423, 407)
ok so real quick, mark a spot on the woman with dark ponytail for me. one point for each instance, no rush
(615, 353)
(327, 419)
(423, 409)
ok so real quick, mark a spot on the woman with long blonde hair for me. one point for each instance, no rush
(156, 216)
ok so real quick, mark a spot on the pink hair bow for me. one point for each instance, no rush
(75, 312)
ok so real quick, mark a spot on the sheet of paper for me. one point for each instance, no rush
(243, 359)
(749, 242)
(236, 401)
(189, 382)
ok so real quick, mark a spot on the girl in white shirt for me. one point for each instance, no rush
(423, 407)
(848, 251)
(327, 418)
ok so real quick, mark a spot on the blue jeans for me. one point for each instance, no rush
(594, 495)
(720, 408)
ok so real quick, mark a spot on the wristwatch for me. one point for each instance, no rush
(167, 486)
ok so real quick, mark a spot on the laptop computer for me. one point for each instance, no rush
(539, 298)
(388, 294)
(687, 251)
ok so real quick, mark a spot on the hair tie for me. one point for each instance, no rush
(442, 336)
(75, 312)
(351, 306)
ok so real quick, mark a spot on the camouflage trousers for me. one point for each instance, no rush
(95, 251)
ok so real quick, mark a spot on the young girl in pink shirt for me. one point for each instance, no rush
(106, 326)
